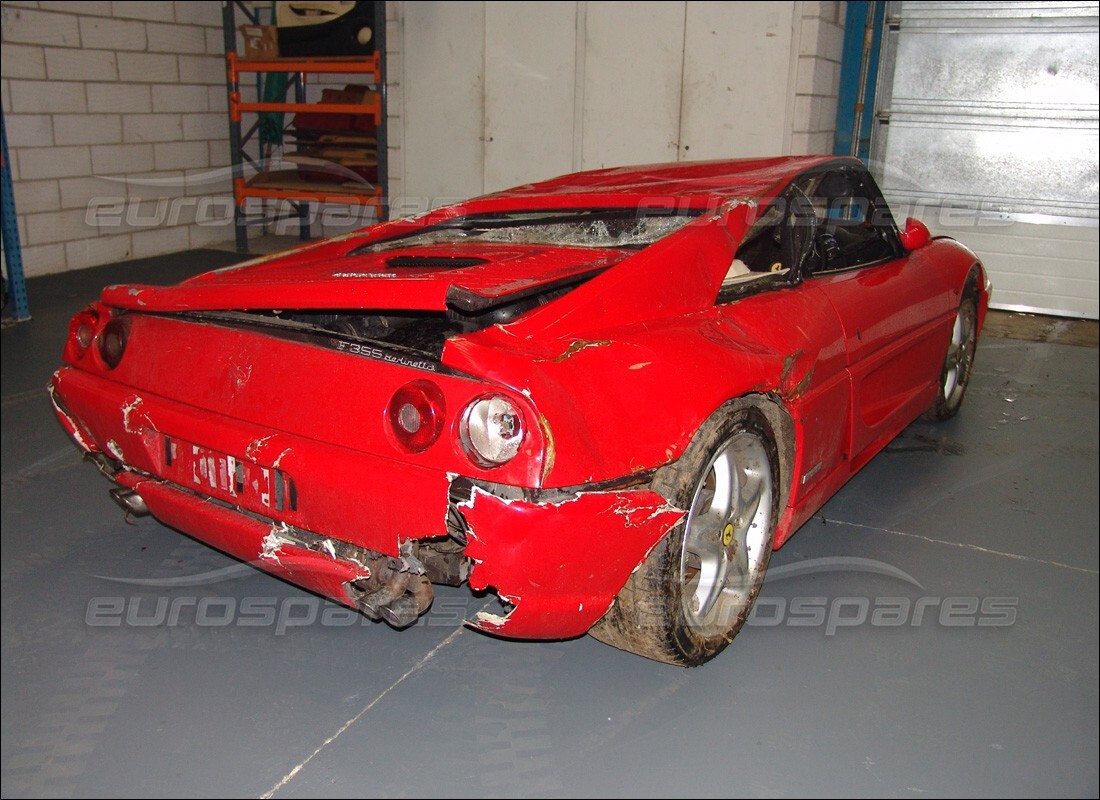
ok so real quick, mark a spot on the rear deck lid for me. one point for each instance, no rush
(428, 278)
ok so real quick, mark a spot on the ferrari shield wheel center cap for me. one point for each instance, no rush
(727, 534)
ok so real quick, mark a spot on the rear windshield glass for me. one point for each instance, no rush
(625, 228)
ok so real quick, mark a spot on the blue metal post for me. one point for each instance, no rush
(870, 86)
(855, 110)
(13, 252)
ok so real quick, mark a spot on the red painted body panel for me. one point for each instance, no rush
(610, 381)
(267, 384)
(246, 538)
(366, 281)
(893, 319)
(329, 478)
(519, 553)
(740, 349)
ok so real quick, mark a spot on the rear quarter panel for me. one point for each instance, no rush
(624, 400)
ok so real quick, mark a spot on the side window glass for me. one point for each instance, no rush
(850, 232)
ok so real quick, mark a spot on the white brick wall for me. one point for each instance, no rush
(113, 34)
(39, 196)
(202, 69)
(152, 128)
(69, 64)
(36, 163)
(395, 114)
(148, 68)
(117, 159)
(139, 9)
(86, 128)
(820, 46)
(120, 98)
(30, 26)
(45, 97)
(97, 94)
(182, 99)
(181, 155)
(29, 127)
(177, 38)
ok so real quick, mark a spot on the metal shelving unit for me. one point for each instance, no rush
(290, 185)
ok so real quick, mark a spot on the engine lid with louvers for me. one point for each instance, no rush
(422, 279)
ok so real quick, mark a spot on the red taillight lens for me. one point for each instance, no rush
(416, 415)
(81, 334)
(112, 341)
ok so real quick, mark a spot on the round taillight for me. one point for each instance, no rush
(81, 334)
(491, 430)
(112, 341)
(416, 415)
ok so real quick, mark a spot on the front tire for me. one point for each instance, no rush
(693, 593)
(958, 363)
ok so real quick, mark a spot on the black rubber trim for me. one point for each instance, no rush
(467, 300)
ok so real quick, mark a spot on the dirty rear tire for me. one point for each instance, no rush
(649, 616)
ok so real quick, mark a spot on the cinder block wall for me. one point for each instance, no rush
(116, 123)
(820, 47)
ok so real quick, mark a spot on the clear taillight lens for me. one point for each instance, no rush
(491, 430)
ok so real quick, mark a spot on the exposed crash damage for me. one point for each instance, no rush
(606, 397)
(517, 554)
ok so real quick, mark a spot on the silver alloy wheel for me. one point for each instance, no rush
(727, 534)
(960, 355)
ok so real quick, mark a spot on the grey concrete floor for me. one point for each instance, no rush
(933, 632)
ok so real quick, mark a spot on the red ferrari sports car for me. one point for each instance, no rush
(606, 397)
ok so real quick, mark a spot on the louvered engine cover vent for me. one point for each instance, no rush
(435, 262)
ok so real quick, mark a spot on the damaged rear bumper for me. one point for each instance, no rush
(560, 565)
(347, 524)
(262, 543)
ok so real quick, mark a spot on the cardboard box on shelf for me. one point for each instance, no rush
(260, 41)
